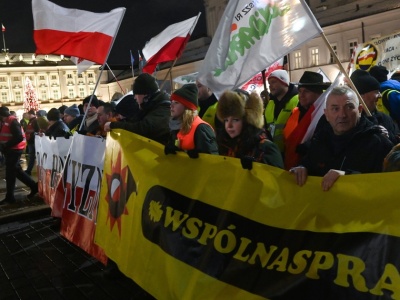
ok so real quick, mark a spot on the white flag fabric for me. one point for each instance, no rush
(168, 44)
(319, 106)
(74, 32)
(81, 64)
(253, 35)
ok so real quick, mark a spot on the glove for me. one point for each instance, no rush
(170, 149)
(247, 162)
(193, 153)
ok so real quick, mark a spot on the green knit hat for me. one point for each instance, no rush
(187, 95)
(145, 84)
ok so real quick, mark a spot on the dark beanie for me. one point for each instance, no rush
(53, 115)
(62, 108)
(95, 101)
(145, 84)
(4, 111)
(380, 73)
(364, 82)
(72, 111)
(187, 95)
(127, 106)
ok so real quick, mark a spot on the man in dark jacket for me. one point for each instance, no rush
(31, 129)
(12, 144)
(349, 144)
(57, 126)
(368, 87)
(153, 118)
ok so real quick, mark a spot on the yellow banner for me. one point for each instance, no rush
(205, 228)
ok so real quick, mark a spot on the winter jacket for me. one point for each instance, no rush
(361, 150)
(58, 129)
(258, 147)
(153, 119)
(390, 90)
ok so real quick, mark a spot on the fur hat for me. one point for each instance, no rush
(234, 104)
(72, 111)
(364, 82)
(95, 101)
(145, 84)
(187, 95)
(4, 111)
(281, 75)
(53, 115)
(380, 73)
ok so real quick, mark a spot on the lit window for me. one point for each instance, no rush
(297, 60)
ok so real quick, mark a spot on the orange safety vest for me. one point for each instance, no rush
(6, 135)
(293, 134)
(186, 141)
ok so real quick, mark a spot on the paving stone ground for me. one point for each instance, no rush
(36, 262)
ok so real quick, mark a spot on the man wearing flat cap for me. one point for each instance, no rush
(12, 144)
(310, 87)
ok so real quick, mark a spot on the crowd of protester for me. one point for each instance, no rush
(266, 128)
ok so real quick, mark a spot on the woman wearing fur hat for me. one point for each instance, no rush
(244, 135)
(188, 131)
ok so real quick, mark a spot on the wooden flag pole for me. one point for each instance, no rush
(169, 71)
(346, 75)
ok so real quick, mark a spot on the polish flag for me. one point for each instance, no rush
(74, 32)
(169, 44)
(3, 29)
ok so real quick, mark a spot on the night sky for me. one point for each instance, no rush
(143, 20)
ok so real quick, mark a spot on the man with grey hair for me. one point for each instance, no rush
(347, 144)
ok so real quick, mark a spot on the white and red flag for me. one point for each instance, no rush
(169, 44)
(3, 29)
(74, 32)
(251, 36)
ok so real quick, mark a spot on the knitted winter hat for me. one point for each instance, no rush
(4, 111)
(364, 82)
(281, 75)
(187, 95)
(41, 113)
(145, 84)
(53, 115)
(127, 106)
(72, 111)
(95, 101)
(380, 73)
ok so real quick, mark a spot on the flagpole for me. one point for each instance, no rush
(133, 72)
(345, 74)
(101, 71)
(169, 71)
(122, 90)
